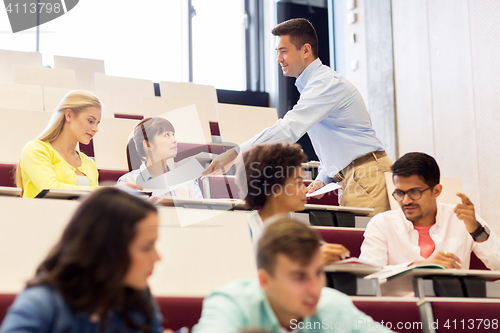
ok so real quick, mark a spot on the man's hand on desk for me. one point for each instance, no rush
(314, 186)
(221, 164)
(445, 259)
(333, 252)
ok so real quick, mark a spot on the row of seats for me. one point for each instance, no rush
(399, 314)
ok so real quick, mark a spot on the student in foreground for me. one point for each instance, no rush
(425, 231)
(289, 294)
(154, 143)
(95, 277)
(272, 177)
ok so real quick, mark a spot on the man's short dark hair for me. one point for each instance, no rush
(300, 31)
(420, 164)
(294, 239)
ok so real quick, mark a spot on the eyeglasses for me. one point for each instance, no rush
(414, 194)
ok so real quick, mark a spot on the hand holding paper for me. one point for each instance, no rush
(324, 189)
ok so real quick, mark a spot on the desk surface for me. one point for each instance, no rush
(10, 191)
(403, 284)
(238, 204)
(356, 269)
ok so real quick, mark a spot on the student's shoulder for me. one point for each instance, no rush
(390, 216)
(38, 299)
(37, 145)
(333, 301)
(242, 291)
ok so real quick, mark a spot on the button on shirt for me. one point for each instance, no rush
(390, 239)
(333, 113)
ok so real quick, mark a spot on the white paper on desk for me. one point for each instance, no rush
(324, 189)
(186, 170)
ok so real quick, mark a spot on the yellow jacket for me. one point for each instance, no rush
(42, 168)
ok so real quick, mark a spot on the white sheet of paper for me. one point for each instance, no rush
(188, 169)
(324, 189)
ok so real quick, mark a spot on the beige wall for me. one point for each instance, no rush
(448, 91)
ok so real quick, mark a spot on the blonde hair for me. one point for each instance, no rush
(76, 101)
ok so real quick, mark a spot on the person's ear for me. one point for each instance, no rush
(68, 114)
(437, 190)
(264, 279)
(307, 50)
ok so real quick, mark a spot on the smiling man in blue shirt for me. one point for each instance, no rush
(333, 113)
(290, 293)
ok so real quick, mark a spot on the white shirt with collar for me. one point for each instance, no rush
(333, 113)
(190, 189)
(390, 239)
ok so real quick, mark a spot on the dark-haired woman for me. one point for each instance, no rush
(272, 177)
(155, 143)
(95, 277)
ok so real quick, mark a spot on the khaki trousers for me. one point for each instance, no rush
(364, 182)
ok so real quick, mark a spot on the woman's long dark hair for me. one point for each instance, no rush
(89, 263)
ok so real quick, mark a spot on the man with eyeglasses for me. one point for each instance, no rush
(425, 231)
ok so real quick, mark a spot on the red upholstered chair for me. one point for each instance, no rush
(349, 237)
(476, 263)
(7, 175)
(224, 187)
(180, 311)
(466, 315)
(398, 314)
(110, 175)
(177, 311)
(5, 301)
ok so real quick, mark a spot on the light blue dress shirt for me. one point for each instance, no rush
(243, 304)
(333, 113)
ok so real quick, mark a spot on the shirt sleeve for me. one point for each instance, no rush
(323, 176)
(315, 103)
(219, 315)
(339, 310)
(31, 312)
(374, 247)
(489, 250)
(36, 163)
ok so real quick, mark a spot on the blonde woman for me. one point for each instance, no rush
(51, 160)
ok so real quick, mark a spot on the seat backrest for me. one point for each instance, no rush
(53, 96)
(21, 97)
(6, 300)
(349, 237)
(180, 312)
(17, 128)
(224, 187)
(9, 58)
(475, 314)
(397, 314)
(186, 91)
(127, 92)
(239, 123)
(7, 175)
(110, 143)
(189, 120)
(47, 77)
(84, 70)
